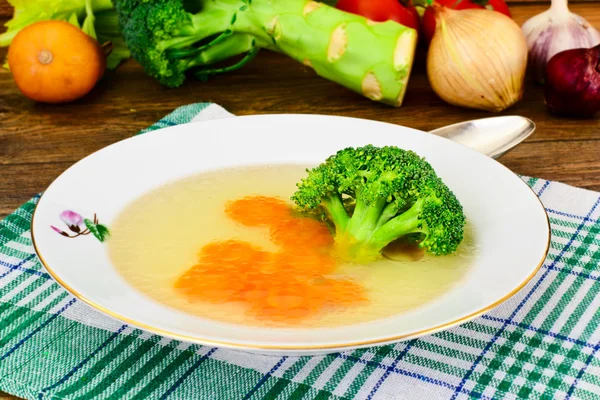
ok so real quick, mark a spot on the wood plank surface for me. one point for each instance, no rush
(38, 142)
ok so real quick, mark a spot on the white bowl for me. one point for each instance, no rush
(511, 225)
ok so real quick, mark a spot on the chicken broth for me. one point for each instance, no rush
(227, 246)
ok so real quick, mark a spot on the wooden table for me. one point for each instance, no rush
(38, 142)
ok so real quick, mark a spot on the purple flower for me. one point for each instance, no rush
(71, 219)
(55, 229)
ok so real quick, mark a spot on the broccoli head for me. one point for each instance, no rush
(375, 195)
(171, 37)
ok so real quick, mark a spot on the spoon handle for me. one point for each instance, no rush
(493, 136)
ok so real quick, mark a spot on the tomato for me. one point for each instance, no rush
(429, 15)
(382, 10)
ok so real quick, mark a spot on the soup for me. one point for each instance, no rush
(227, 246)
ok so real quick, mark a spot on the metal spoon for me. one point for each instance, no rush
(493, 136)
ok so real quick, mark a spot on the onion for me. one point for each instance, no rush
(555, 30)
(477, 59)
(573, 82)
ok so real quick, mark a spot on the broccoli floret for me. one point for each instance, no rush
(376, 195)
(170, 37)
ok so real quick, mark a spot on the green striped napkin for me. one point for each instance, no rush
(541, 344)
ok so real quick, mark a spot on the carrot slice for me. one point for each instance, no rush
(285, 286)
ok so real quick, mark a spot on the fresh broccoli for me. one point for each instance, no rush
(174, 38)
(376, 195)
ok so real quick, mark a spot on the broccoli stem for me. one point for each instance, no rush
(363, 225)
(107, 22)
(403, 224)
(373, 59)
(364, 242)
(233, 45)
(358, 214)
(202, 26)
(249, 55)
(337, 212)
(388, 213)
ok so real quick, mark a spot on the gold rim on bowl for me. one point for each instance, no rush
(241, 346)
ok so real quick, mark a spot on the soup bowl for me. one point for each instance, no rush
(510, 224)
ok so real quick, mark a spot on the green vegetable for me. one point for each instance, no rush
(172, 37)
(97, 18)
(373, 196)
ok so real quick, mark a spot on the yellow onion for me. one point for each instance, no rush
(477, 59)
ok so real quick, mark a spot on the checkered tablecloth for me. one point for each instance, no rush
(541, 344)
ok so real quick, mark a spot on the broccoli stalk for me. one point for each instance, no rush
(393, 194)
(172, 37)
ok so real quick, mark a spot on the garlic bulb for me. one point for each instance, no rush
(553, 31)
(477, 59)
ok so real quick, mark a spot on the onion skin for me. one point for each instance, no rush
(477, 59)
(573, 82)
(555, 30)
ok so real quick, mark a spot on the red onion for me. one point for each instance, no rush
(573, 82)
(555, 30)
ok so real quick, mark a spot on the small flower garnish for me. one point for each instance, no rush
(55, 229)
(74, 222)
